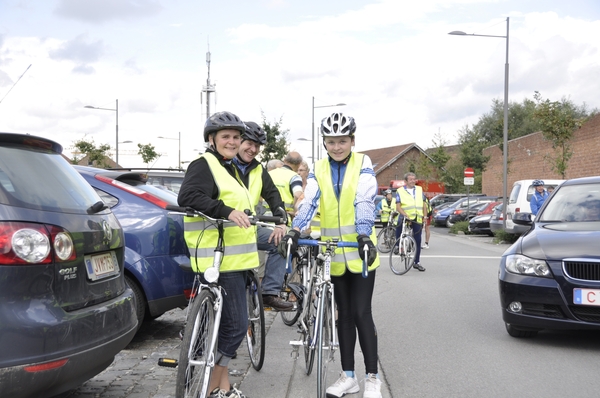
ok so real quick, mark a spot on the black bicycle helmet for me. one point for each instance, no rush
(537, 183)
(220, 121)
(338, 125)
(254, 133)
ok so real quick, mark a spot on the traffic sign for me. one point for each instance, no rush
(469, 172)
(469, 181)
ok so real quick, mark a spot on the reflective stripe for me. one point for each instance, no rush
(229, 250)
(204, 225)
(342, 230)
(349, 255)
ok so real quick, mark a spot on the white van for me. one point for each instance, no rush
(518, 202)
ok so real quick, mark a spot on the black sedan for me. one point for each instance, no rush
(550, 277)
(481, 225)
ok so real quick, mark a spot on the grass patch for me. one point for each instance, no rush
(461, 226)
(502, 236)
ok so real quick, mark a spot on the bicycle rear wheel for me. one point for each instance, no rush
(291, 317)
(324, 339)
(195, 358)
(402, 261)
(385, 239)
(255, 336)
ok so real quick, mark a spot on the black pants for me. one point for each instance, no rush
(353, 295)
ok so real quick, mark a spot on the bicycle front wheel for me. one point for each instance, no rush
(324, 338)
(255, 336)
(196, 356)
(291, 317)
(309, 334)
(402, 256)
(385, 239)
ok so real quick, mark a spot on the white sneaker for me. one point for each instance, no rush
(344, 385)
(372, 387)
(425, 246)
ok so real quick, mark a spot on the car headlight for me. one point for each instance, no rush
(522, 265)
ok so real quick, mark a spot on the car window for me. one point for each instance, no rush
(514, 194)
(61, 189)
(574, 203)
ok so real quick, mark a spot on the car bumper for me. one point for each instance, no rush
(545, 303)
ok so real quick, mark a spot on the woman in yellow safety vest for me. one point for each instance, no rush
(212, 186)
(343, 187)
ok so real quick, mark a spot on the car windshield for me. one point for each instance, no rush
(60, 188)
(575, 203)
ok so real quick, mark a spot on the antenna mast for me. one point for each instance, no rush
(208, 88)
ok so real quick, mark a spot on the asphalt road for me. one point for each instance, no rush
(440, 335)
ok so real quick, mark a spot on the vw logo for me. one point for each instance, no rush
(107, 231)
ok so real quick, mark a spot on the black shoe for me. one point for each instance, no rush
(277, 303)
(419, 267)
(396, 251)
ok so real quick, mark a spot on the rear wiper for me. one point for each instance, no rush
(97, 207)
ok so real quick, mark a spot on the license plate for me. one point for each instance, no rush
(101, 266)
(586, 296)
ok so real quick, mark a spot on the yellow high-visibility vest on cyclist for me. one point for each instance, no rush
(412, 204)
(344, 226)
(240, 243)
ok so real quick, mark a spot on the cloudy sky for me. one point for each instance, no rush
(392, 62)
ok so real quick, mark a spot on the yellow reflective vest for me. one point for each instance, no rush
(338, 215)
(201, 235)
(412, 205)
(386, 209)
(281, 178)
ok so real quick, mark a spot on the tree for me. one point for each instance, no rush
(277, 145)
(97, 156)
(147, 153)
(472, 143)
(558, 121)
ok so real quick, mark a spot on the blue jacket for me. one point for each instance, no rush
(537, 200)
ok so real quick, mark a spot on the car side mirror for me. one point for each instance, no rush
(522, 218)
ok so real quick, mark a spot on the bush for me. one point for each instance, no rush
(502, 236)
(461, 226)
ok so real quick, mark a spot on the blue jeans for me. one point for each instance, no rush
(417, 228)
(275, 265)
(234, 316)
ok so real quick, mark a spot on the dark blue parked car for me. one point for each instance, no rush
(155, 247)
(65, 309)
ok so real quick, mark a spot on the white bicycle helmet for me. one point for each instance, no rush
(338, 125)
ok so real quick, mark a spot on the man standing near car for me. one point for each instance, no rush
(410, 203)
(259, 183)
(539, 196)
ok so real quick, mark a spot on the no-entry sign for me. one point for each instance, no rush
(469, 172)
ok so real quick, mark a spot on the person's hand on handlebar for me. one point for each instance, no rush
(372, 254)
(292, 236)
(239, 218)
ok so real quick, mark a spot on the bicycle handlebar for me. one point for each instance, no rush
(190, 212)
(310, 242)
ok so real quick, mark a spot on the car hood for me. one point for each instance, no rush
(555, 241)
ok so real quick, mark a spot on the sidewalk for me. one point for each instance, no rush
(284, 376)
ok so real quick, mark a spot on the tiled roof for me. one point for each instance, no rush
(382, 158)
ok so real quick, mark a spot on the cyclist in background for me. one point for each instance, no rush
(343, 188)
(539, 196)
(410, 203)
(258, 181)
(386, 206)
(211, 186)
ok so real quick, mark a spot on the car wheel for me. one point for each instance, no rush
(449, 223)
(516, 332)
(140, 300)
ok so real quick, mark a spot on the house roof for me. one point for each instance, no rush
(383, 158)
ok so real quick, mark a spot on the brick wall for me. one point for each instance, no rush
(526, 158)
(398, 168)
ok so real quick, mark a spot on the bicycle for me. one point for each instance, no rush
(317, 322)
(295, 284)
(255, 337)
(402, 256)
(387, 236)
(199, 345)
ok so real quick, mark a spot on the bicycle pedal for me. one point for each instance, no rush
(167, 362)
(296, 344)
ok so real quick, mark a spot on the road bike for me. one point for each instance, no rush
(316, 324)
(255, 337)
(199, 345)
(402, 257)
(295, 283)
(387, 236)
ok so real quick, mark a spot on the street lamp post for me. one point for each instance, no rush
(313, 125)
(179, 143)
(116, 110)
(505, 129)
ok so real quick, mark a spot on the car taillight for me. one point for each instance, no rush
(517, 210)
(457, 211)
(134, 191)
(30, 243)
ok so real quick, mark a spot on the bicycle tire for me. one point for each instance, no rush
(385, 239)
(255, 336)
(324, 340)
(402, 262)
(193, 372)
(291, 317)
(309, 334)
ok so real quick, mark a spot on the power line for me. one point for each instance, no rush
(15, 83)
